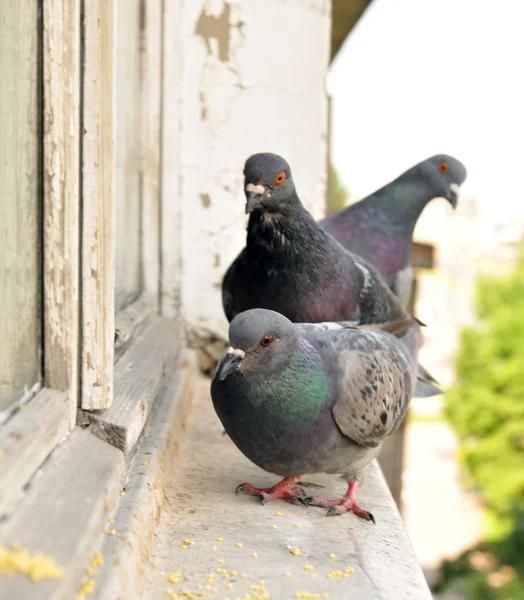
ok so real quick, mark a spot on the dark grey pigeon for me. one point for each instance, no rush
(298, 399)
(291, 265)
(380, 227)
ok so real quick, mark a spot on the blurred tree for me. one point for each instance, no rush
(337, 196)
(486, 409)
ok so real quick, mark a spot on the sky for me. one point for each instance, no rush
(423, 77)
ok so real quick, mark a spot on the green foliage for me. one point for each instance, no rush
(486, 409)
(338, 195)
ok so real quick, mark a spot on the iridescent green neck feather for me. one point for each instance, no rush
(298, 392)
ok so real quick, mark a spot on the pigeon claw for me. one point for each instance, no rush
(359, 512)
(347, 504)
(283, 490)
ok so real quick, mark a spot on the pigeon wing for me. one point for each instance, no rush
(375, 382)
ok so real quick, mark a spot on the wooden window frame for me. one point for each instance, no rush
(36, 427)
(146, 344)
(83, 384)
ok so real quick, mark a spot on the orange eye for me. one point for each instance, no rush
(280, 178)
(443, 167)
(267, 340)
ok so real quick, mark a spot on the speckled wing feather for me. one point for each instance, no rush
(376, 380)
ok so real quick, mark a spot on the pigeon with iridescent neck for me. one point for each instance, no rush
(380, 227)
(299, 399)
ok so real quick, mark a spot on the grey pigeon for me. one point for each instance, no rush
(291, 265)
(380, 227)
(298, 399)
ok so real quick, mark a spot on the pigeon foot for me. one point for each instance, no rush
(283, 490)
(347, 504)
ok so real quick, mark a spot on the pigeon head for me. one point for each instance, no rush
(268, 184)
(260, 339)
(445, 174)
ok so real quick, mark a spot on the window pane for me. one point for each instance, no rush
(20, 184)
(128, 193)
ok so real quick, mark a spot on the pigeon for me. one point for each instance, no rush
(291, 265)
(294, 267)
(380, 227)
(298, 399)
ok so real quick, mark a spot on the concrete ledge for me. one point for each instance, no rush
(128, 553)
(202, 509)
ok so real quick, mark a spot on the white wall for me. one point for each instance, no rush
(252, 80)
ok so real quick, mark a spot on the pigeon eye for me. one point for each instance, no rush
(267, 340)
(443, 167)
(280, 178)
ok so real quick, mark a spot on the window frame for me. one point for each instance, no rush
(92, 376)
(36, 427)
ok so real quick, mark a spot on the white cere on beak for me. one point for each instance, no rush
(455, 188)
(236, 352)
(258, 189)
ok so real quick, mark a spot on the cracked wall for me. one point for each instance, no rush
(252, 80)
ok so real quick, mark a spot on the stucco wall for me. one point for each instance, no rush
(252, 80)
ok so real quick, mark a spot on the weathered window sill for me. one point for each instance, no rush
(202, 508)
(180, 485)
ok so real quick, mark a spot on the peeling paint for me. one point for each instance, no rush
(209, 26)
(206, 200)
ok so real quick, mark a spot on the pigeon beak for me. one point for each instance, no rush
(254, 196)
(229, 362)
(453, 194)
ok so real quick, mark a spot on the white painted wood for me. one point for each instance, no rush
(20, 184)
(64, 513)
(26, 440)
(139, 375)
(170, 220)
(62, 196)
(98, 206)
(151, 144)
(129, 319)
(128, 552)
